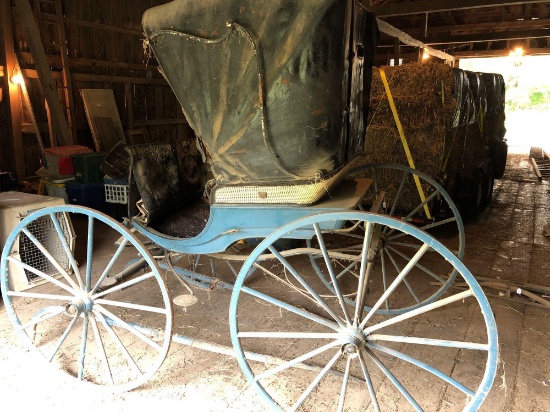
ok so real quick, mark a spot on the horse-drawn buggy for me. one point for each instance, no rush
(344, 297)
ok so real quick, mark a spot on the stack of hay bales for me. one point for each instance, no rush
(424, 98)
(451, 120)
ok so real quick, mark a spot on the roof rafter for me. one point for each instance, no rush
(408, 40)
(427, 6)
(483, 37)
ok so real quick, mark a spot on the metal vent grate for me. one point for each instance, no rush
(44, 231)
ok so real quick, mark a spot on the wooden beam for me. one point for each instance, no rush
(408, 40)
(13, 143)
(480, 27)
(108, 27)
(158, 122)
(396, 51)
(36, 132)
(85, 77)
(483, 37)
(381, 59)
(48, 17)
(49, 87)
(55, 60)
(423, 35)
(428, 6)
(541, 51)
(67, 82)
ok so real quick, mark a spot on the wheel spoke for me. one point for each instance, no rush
(384, 276)
(289, 335)
(418, 311)
(119, 322)
(330, 269)
(45, 296)
(424, 205)
(344, 388)
(316, 381)
(110, 265)
(395, 283)
(364, 273)
(124, 285)
(320, 301)
(301, 312)
(67, 249)
(119, 344)
(394, 380)
(405, 281)
(299, 359)
(422, 365)
(41, 316)
(89, 253)
(42, 274)
(51, 259)
(101, 349)
(437, 223)
(83, 343)
(430, 342)
(398, 194)
(368, 382)
(63, 337)
(347, 269)
(423, 268)
(162, 311)
(407, 245)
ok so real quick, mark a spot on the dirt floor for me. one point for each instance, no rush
(505, 243)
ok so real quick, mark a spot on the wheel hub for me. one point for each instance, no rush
(78, 306)
(354, 343)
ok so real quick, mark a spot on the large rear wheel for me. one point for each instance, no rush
(337, 356)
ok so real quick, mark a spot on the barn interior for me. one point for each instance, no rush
(104, 121)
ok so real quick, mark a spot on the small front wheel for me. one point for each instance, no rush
(80, 305)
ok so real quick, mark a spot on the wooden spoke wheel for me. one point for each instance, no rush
(433, 211)
(325, 353)
(81, 306)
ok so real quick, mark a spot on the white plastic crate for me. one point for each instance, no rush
(116, 193)
(14, 206)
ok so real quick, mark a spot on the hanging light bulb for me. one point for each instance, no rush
(517, 52)
(16, 76)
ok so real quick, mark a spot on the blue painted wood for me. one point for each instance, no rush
(228, 224)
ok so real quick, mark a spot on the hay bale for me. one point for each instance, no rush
(423, 96)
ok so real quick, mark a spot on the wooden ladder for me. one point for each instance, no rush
(59, 126)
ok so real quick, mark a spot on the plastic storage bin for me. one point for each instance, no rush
(59, 161)
(116, 190)
(91, 195)
(56, 188)
(86, 167)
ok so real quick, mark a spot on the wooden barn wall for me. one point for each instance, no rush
(5, 138)
(104, 43)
